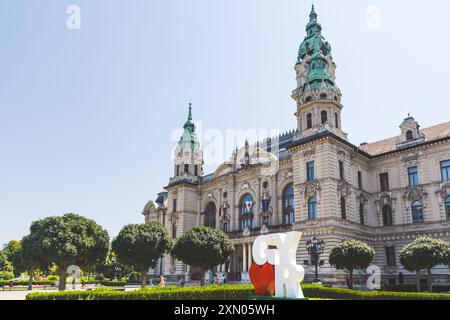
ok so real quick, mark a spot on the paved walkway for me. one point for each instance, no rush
(16, 294)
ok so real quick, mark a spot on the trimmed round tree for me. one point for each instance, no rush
(351, 255)
(141, 245)
(68, 240)
(203, 247)
(25, 259)
(424, 253)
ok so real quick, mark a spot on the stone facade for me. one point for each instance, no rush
(386, 193)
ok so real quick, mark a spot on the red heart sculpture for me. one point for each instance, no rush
(263, 279)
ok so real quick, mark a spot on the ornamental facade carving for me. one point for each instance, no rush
(344, 189)
(311, 189)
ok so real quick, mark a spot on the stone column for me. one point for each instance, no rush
(219, 209)
(244, 257)
(199, 208)
(258, 204)
(275, 219)
(233, 217)
(249, 263)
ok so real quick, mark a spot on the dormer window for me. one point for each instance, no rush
(409, 135)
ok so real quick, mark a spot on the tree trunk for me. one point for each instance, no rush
(143, 278)
(30, 280)
(202, 277)
(350, 281)
(418, 280)
(62, 279)
(430, 281)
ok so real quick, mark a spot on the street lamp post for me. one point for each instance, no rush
(315, 249)
(116, 267)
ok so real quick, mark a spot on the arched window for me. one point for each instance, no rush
(288, 204)
(361, 214)
(343, 208)
(309, 121)
(186, 168)
(196, 170)
(323, 117)
(387, 216)
(246, 211)
(312, 209)
(409, 135)
(210, 215)
(323, 96)
(417, 211)
(178, 170)
(447, 207)
(336, 120)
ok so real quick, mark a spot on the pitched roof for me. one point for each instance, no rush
(431, 133)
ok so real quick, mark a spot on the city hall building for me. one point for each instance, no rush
(314, 180)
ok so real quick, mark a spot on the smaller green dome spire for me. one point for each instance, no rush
(189, 125)
(189, 137)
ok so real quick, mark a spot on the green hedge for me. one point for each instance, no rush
(345, 294)
(49, 282)
(413, 288)
(240, 292)
(227, 292)
(25, 282)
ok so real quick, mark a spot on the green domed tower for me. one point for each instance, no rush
(317, 95)
(188, 157)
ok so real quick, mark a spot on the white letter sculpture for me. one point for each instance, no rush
(288, 275)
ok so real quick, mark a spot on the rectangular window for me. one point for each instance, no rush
(360, 180)
(384, 181)
(413, 176)
(174, 209)
(186, 168)
(390, 256)
(445, 170)
(341, 170)
(310, 171)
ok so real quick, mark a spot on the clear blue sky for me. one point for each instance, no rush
(86, 116)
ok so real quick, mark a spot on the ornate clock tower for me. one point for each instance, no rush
(317, 96)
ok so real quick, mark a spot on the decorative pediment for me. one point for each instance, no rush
(311, 189)
(309, 153)
(415, 194)
(362, 197)
(284, 177)
(173, 217)
(444, 190)
(410, 159)
(245, 186)
(344, 189)
(223, 169)
(341, 155)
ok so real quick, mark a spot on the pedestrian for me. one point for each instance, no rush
(162, 282)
